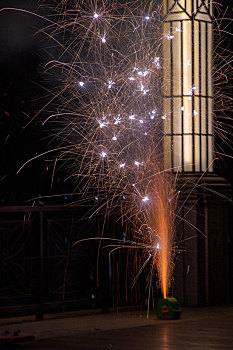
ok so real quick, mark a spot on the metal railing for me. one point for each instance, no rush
(40, 268)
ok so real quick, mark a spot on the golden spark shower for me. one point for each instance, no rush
(110, 114)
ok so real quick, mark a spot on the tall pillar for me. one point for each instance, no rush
(204, 231)
(188, 85)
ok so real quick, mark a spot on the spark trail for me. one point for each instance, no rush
(110, 112)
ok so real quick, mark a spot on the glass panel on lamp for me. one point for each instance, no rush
(203, 153)
(211, 153)
(177, 116)
(197, 153)
(177, 152)
(188, 154)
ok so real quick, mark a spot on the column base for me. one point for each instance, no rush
(203, 261)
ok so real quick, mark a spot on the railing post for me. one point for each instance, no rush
(40, 299)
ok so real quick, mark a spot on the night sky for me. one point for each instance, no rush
(23, 55)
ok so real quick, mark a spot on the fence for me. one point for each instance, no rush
(40, 268)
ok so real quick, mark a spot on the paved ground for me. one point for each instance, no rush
(199, 328)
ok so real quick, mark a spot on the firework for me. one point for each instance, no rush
(110, 113)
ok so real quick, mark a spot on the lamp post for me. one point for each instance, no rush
(188, 85)
(202, 270)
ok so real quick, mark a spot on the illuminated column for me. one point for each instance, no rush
(188, 85)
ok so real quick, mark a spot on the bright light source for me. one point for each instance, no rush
(110, 84)
(103, 154)
(102, 124)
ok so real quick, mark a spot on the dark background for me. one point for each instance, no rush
(23, 56)
(24, 53)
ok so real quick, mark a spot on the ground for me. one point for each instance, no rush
(199, 328)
